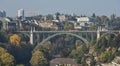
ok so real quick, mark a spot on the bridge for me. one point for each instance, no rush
(85, 39)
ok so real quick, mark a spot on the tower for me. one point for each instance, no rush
(21, 13)
(2, 14)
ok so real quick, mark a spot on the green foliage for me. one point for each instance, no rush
(48, 49)
(38, 59)
(78, 43)
(5, 58)
(92, 61)
(107, 56)
(21, 54)
(24, 38)
(68, 26)
(1, 25)
(20, 65)
(64, 52)
(78, 53)
(3, 37)
(104, 42)
(105, 48)
(83, 61)
(113, 17)
(93, 27)
(104, 19)
(49, 17)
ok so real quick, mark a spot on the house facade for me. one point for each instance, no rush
(63, 62)
(83, 22)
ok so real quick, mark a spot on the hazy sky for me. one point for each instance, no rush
(87, 7)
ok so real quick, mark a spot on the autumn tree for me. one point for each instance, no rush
(15, 40)
(78, 53)
(68, 26)
(5, 58)
(38, 59)
(107, 56)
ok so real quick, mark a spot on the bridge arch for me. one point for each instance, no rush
(108, 33)
(83, 39)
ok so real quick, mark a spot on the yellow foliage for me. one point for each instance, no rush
(5, 58)
(15, 39)
(102, 56)
(38, 59)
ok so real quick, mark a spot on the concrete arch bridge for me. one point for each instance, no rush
(85, 36)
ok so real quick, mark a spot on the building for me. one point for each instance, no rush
(21, 13)
(83, 19)
(51, 25)
(63, 62)
(2, 14)
(83, 22)
(54, 17)
(62, 18)
(7, 24)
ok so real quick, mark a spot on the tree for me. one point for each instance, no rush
(104, 19)
(83, 61)
(68, 26)
(15, 40)
(3, 37)
(38, 59)
(92, 61)
(113, 17)
(1, 25)
(108, 55)
(64, 52)
(5, 58)
(20, 65)
(93, 27)
(93, 15)
(78, 53)
(97, 19)
(49, 17)
(78, 43)
(21, 54)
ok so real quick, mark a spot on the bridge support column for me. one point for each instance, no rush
(31, 36)
(98, 33)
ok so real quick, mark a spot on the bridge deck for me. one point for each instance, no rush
(68, 31)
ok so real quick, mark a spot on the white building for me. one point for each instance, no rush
(83, 19)
(7, 24)
(21, 13)
(83, 22)
(2, 14)
(62, 18)
(54, 17)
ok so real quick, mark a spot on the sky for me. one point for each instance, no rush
(78, 7)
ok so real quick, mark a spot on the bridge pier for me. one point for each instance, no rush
(98, 33)
(31, 36)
